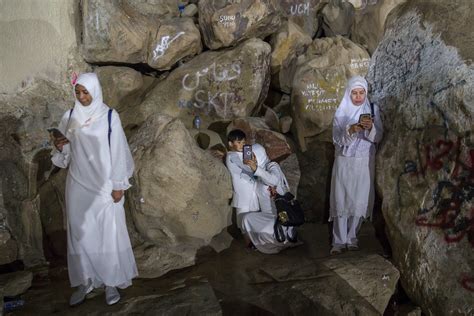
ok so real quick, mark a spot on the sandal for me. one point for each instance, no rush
(335, 250)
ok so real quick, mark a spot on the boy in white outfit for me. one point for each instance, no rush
(245, 198)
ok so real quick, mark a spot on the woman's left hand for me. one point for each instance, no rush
(117, 195)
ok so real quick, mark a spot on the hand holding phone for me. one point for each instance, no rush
(59, 140)
(247, 152)
(365, 121)
(56, 133)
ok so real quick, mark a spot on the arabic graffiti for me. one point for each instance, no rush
(161, 48)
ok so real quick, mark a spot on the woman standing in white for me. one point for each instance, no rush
(352, 188)
(96, 151)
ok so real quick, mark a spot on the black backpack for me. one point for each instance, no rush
(289, 210)
(289, 213)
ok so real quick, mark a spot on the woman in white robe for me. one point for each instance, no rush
(99, 248)
(352, 183)
(260, 225)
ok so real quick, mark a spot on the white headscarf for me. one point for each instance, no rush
(274, 168)
(83, 115)
(261, 155)
(348, 113)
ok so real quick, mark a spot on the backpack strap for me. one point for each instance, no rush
(109, 117)
(372, 112)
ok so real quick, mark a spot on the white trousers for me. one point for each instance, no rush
(344, 230)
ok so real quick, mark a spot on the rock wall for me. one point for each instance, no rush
(39, 40)
(423, 79)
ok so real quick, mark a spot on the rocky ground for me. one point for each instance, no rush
(303, 280)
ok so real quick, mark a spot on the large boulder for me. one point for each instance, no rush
(369, 21)
(214, 85)
(303, 13)
(226, 23)
(123, 89)
(114, 31)
(175, 40)
(337, 18)
(257, 131)
(180, 199)
(15, 283)
(287, 44)
(319, 83)
(422, 78)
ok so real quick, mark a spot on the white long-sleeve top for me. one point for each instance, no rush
(361, 144)
(243, 183)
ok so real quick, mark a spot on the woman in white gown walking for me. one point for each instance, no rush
(100, 163)
(352, 184)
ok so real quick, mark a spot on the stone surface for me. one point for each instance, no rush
(190, 10)
(319, 83)
(276, 144)
(118, 83)
(271, 119)
(176, 224)
(26, 26)
(198, 299)
(123, 89)
(175, 40)
(114, 31)
(422, 78)
(31, 234)
(336, 286)
(303, 13)
(8, 246)
(24, 160)
(291, 168)
(52, 213)
(15, 283)
(287, 44)
(226, 23)
(315, 184)
(337, 18)
(300, 281)
(214, 85)
(285, 124)
(369, 22)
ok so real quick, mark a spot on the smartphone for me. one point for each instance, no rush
(56, 132)
(363, 116)
(247, 152)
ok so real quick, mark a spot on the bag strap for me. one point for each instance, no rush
(109, 117)
(372, 112)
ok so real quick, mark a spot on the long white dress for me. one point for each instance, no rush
(352, 189)
(260, 225)
(99, 248)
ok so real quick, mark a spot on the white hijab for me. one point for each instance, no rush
(348, 113)
(84, 115)
(274, 168)
(261, 155)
